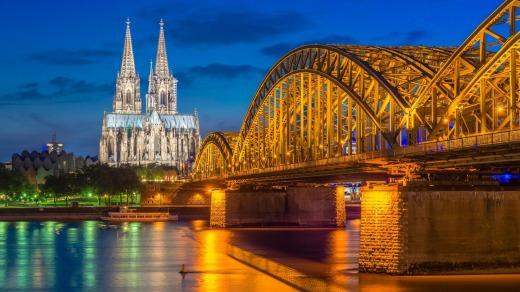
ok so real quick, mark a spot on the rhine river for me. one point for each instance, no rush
(96, 256)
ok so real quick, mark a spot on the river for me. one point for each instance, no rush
(97, 256)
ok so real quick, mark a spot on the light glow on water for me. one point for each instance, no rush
(95, 256)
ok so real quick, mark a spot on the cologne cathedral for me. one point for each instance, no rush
(160, 135)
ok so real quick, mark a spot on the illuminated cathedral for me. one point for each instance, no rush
(160, 135)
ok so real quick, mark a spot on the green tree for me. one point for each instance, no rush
(98, 180)
(14, 184)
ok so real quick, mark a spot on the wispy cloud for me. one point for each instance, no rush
(67, 86)
(413, 37)
(280, 49)
(208, 28)
(66, 90)
(69, 57)
(22, 97)
(218, 71)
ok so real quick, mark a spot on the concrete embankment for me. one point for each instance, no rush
(91, 213)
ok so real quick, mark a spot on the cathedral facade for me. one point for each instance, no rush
(160, 135)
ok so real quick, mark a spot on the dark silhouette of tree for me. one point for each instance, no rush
(14, 184)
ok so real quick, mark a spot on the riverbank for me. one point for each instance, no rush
(353, 211)
(91, 213)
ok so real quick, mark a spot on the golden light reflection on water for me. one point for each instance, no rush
(213, 245)
(94, 256)
(217, 271)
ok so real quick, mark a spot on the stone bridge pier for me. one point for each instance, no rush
(439, 229)
(291, 206)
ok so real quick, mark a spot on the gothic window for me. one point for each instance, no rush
(163, 98)
(128, 97)
(157, 145)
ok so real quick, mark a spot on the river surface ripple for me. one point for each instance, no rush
(97, 256)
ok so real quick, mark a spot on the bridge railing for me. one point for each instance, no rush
(424, 148)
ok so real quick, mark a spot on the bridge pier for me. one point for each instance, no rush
(438, 230)
(294, 206)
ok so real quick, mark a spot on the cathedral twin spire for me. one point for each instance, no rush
(161, 60)
(128, 64)
(162, 90)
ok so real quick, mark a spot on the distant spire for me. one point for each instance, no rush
(161, 61)
(128, 65)
(150, 78)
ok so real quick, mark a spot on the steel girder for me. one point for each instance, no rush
(475, 91)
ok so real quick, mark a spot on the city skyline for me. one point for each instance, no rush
(60, 61)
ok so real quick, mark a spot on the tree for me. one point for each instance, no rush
(14, 184)
(98, 179)
(150, 172)
(128, 182)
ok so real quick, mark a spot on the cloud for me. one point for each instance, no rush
(28, 85)
(152, 11)
(280, 49)
(218, 71)
(277, 50)
(404, 38)
(67, 87)
(232, 27)
(335, 39)
(22, 97)
(67, 57)
(66, 91)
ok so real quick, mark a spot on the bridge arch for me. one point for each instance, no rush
(323, 101)
(214, 155)
(326, 101)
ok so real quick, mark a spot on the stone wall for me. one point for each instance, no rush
(383, 230)
(439, 231)
(298, 206)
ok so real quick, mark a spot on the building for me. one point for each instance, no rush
(38, 165)
(159, 135)
(53, 145)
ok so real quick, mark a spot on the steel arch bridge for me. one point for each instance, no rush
(332, 104)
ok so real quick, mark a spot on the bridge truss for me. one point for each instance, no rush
(340, 102)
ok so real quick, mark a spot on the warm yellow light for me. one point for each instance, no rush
(445, 120)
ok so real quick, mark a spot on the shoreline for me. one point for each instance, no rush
(89, 213)
(353, 211)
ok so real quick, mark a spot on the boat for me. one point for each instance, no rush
(125, 214)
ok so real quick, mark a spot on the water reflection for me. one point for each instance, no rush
(94, 256)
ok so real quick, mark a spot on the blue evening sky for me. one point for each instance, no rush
(59, 59)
